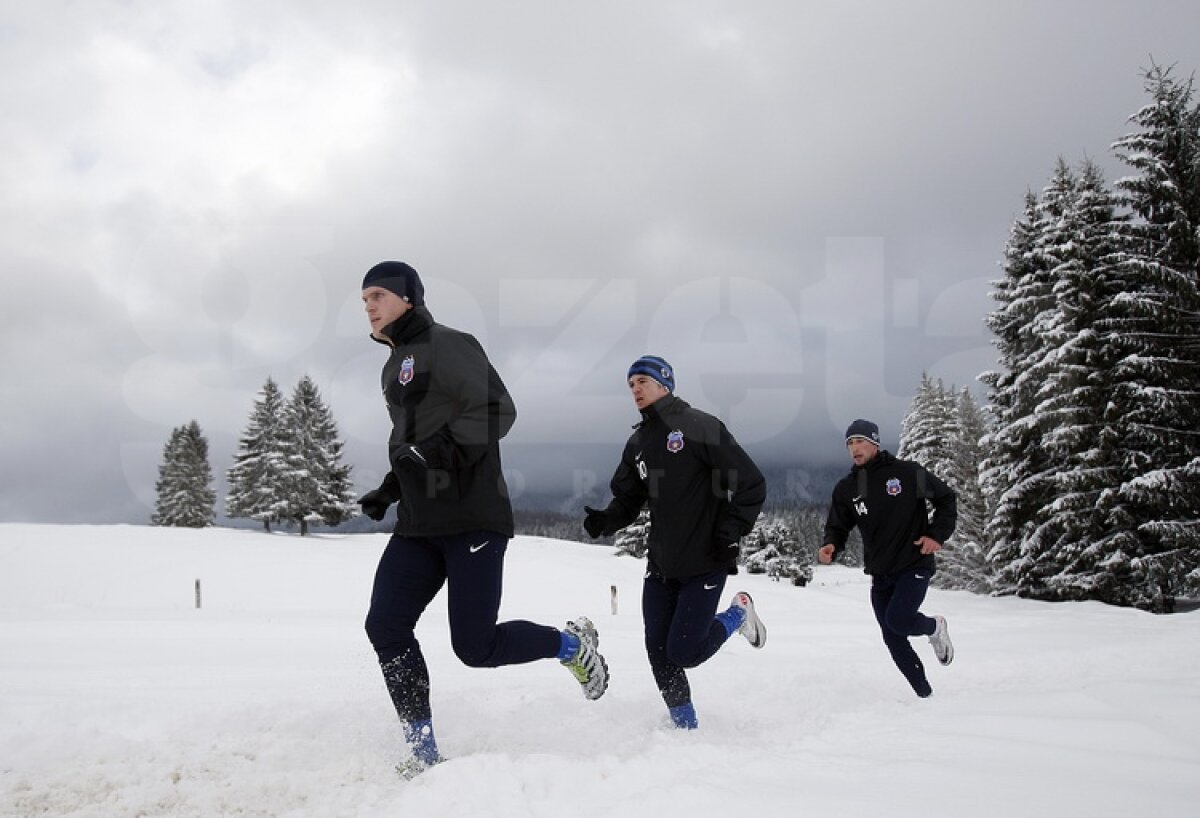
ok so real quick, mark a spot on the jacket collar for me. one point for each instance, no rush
(666, 405)
(405, 328)
(878, 461)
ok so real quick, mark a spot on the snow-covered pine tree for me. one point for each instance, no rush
(963, 563)
(1154, 509)
(795, 563)
(942, 431)
(634, 539)
(1023, 472)
(256, 481)
(773, 548)
(754, 552)
(317, 485)
(808, 526)
(185, 496)
(926, 431)
(1019, 293)
(1074, 374)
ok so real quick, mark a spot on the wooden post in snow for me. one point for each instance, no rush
(197, 594)
(612, 590)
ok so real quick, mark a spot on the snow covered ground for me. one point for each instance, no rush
(119, 698)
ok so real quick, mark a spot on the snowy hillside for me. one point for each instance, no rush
(119, 698)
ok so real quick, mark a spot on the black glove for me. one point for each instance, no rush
(375, 503)
(596, 522)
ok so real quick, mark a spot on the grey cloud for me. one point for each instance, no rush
(192, 195)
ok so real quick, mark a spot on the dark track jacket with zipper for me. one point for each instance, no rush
(449, 410)
(703, 490)
(892, 515)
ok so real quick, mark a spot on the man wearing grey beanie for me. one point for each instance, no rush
(885, 497)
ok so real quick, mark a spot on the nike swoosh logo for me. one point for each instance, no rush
(919, 576)
(708, 587)
(480, 547)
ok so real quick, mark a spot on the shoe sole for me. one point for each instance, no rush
(588, 631)
(758, 636)
(604, 688)
(949, 645)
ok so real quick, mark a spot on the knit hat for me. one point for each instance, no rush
(399, 278)
(656, 368)
(863, 430)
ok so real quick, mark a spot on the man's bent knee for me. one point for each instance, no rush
(685, 658)
(475, 654)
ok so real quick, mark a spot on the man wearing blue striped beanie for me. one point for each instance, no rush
(704, 494)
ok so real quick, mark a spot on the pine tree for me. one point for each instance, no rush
(926, 431)
(773, 548)
(317, 486)
(963, 563)
(1038, 469)
(808, 526)
(1093, 466)
(794, 563)
(256, 480)
(185, 496)
(1011, 447)
(634, 539)
(943, 431)
(1022, 469)
(753, 552)
(1066, 541)
(1153, 511)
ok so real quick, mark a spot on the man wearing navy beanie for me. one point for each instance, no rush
(704, 494)
(885, 497)
(449, 409)
(399, 278)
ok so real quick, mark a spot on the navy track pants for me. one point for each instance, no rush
(897, 602)
(411, 572)
(681, 629)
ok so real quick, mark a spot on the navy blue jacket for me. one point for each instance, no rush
(893, 515)
(703, 490)
(445, 399)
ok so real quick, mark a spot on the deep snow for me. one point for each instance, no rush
(119, 698)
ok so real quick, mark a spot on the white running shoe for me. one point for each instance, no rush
(587, 665)
(410, 768)
(943, 648)
(752, 627)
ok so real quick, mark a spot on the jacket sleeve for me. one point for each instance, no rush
(628, 491)
(945, 507)
(841, 519)
(743, 485)
(485, 411)
(390, 487)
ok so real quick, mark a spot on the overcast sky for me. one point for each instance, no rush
(799, 207)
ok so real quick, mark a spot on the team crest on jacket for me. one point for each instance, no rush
(675, 441)
(407, 366)
(893, 486)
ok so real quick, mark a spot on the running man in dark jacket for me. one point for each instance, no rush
(885, 497)
(704, 494)
(448, 409)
